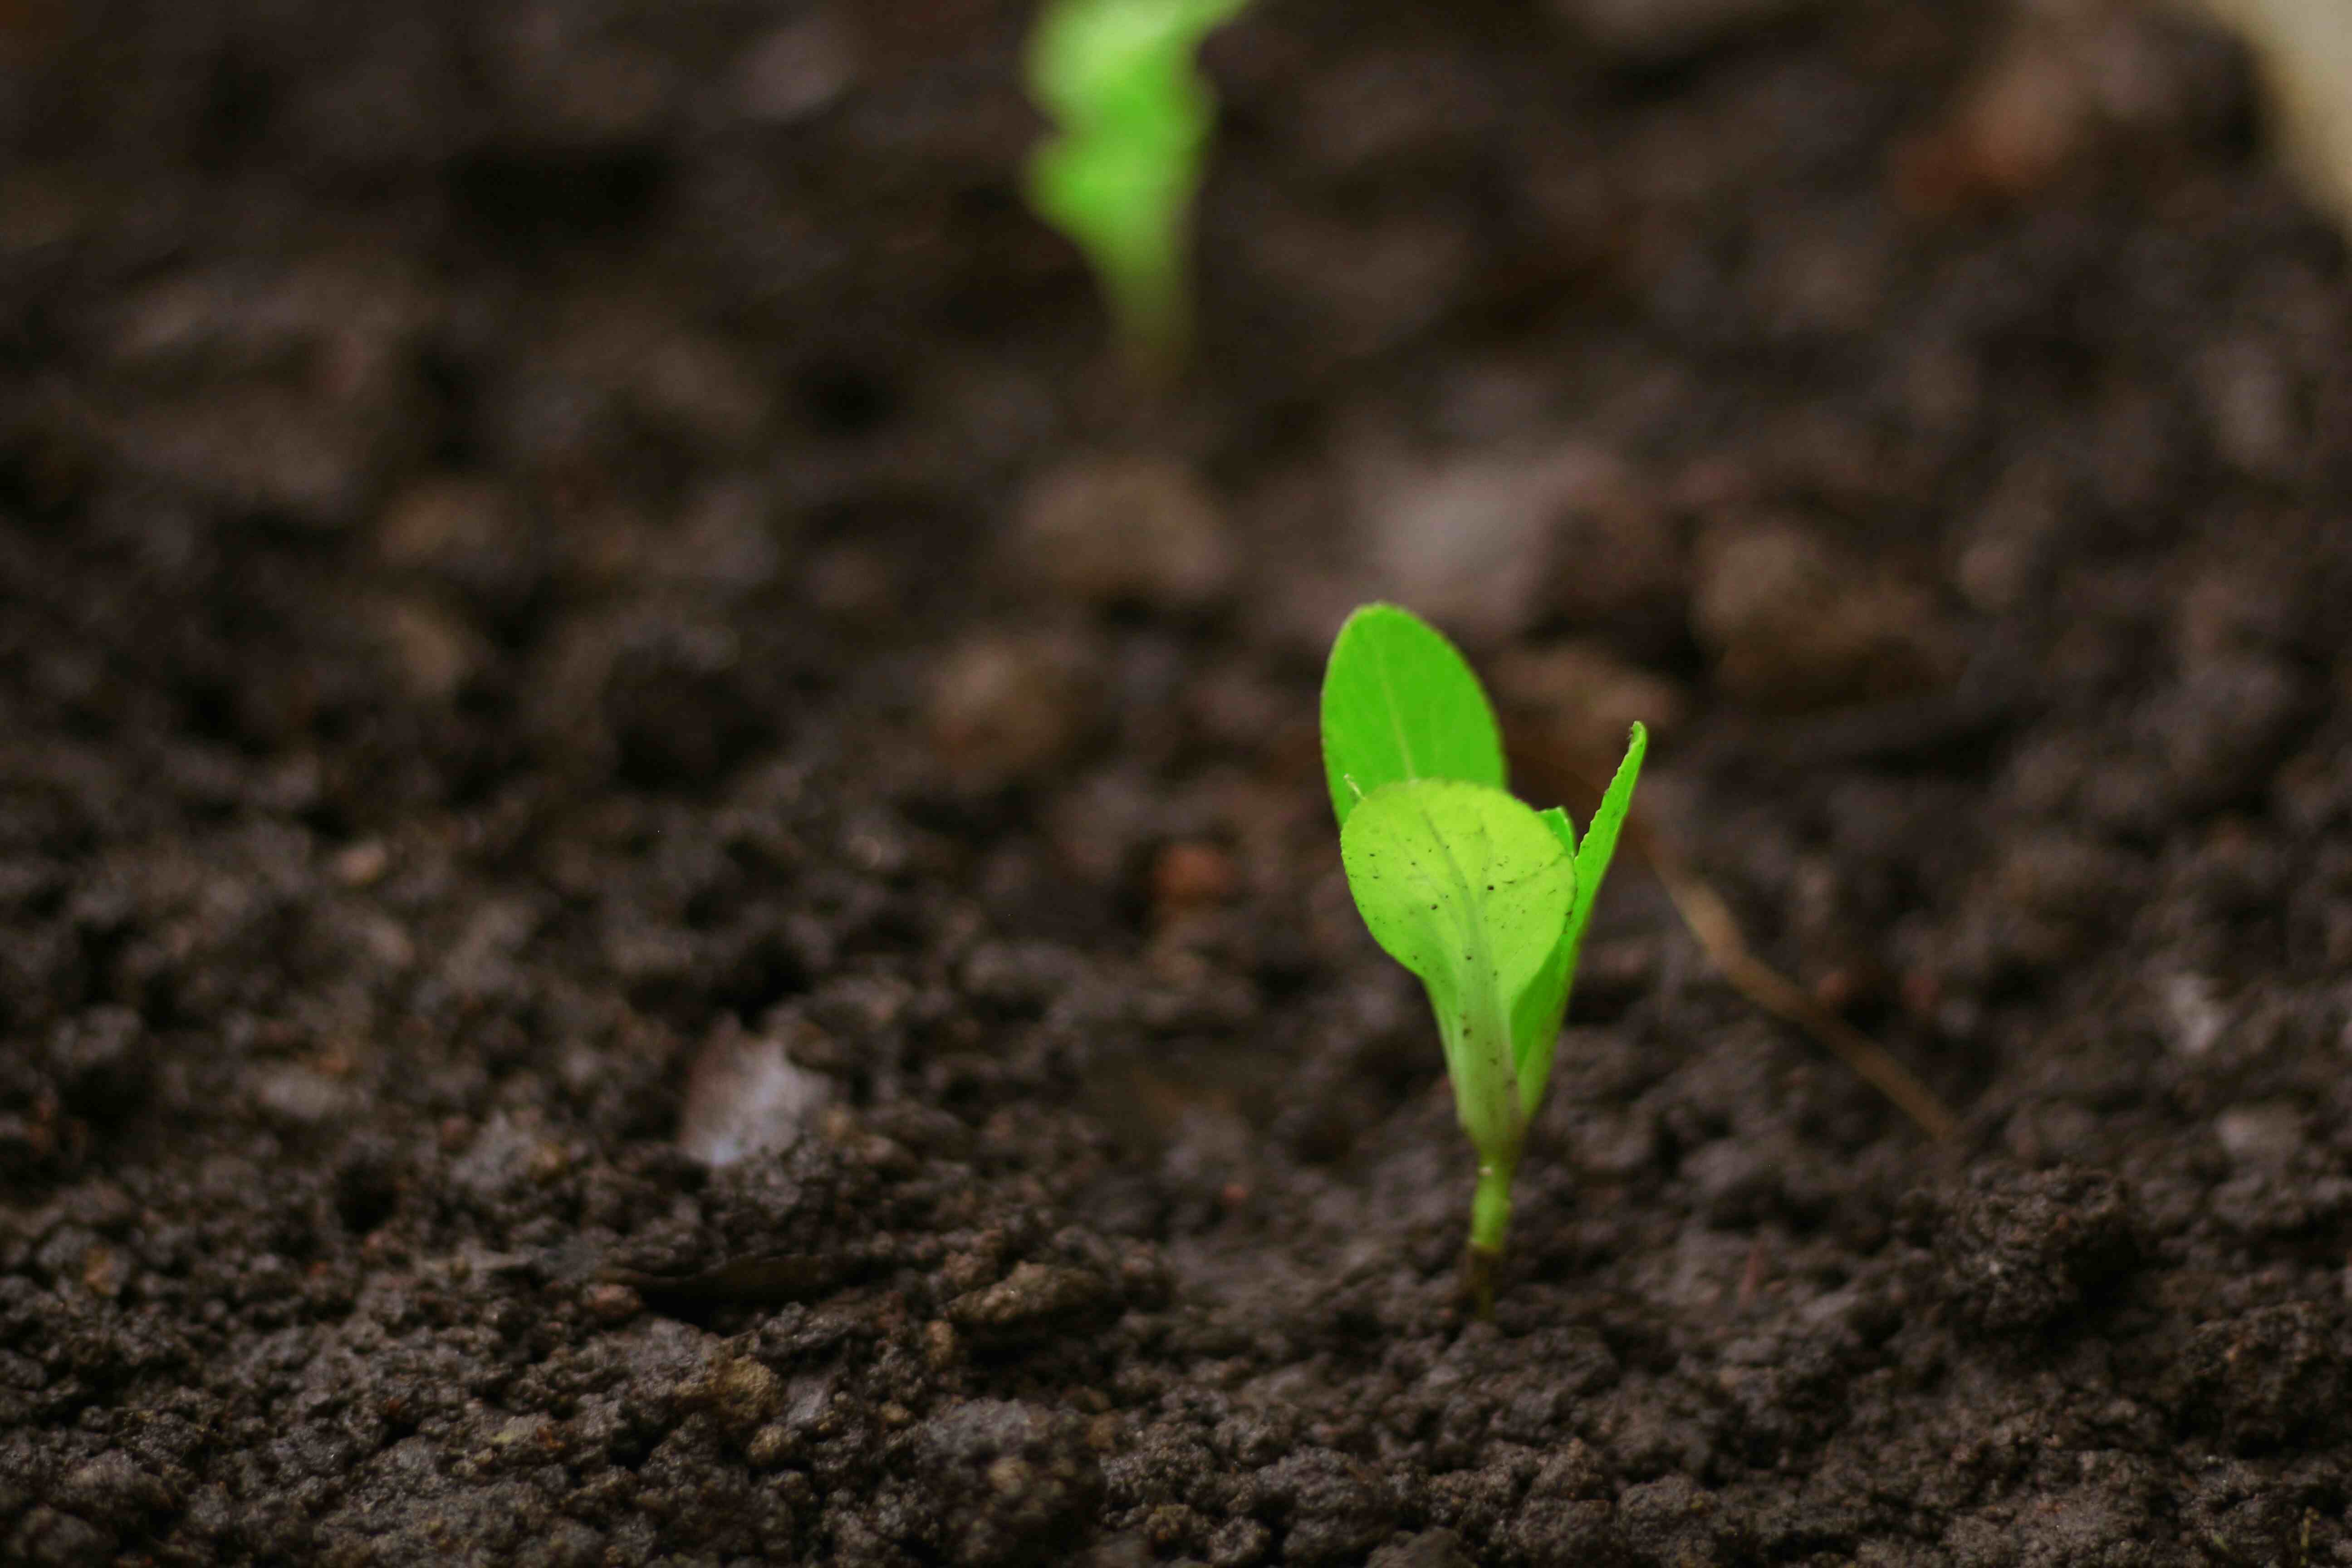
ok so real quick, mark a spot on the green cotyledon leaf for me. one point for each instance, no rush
(1399, 702)
(1468, 888)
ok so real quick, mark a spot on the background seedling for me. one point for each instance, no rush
(1482, 897)
(1133, 116)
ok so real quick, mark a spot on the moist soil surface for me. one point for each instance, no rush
(666, 894)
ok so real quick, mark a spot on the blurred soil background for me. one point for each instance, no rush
(664, 896)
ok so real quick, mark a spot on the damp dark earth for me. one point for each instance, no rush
(666, 895)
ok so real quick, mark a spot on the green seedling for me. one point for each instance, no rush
(1484, 897)
(1132, 116)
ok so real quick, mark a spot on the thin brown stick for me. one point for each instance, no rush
(1710, 921)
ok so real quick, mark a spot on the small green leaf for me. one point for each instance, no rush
(1468, 888)
(1535, 1034)
(1399, 702)
(1535, 1020)
(1600, 839)
(1133, 116)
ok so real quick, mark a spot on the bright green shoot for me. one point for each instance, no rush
(1133, 117)
(1482, 897)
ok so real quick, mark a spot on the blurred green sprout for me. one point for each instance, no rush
(1481, 896)
(1132, 117)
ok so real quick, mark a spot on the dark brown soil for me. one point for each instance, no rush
(618, 946)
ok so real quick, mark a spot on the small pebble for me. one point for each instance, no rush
(747, 1393)
(454, 527)
(1116, 528)
(610, 1303)
(746, 1099)
(361, 864)
(302, 1096)
(1795, 625)
(1009, 706)
(1469, 541)
(433, 652)
(1191, 875)
(770, 1446)
(2265, 1132)
(797, 70)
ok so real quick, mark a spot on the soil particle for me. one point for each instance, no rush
(1424, 1548)
(2021, 1253)
(1239, 1543)
(1189, 877)
(2260, 1134)
(1795, 624)
(1035, 1299)
(1329, 1507)
(676, 702)
(435, 652)
(459, 531)
(745, 1097)
(51, 1538)
(2223, 729)
(299, 1096)
(1553, 1532)
(114, 1490)
(2272, 1377)
(798, 69)
(101, 1061)
(2051, 895)
(1110, 528)
(1011, 707)
(1468, 539)
(1679, 1523)
(996, 1482)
